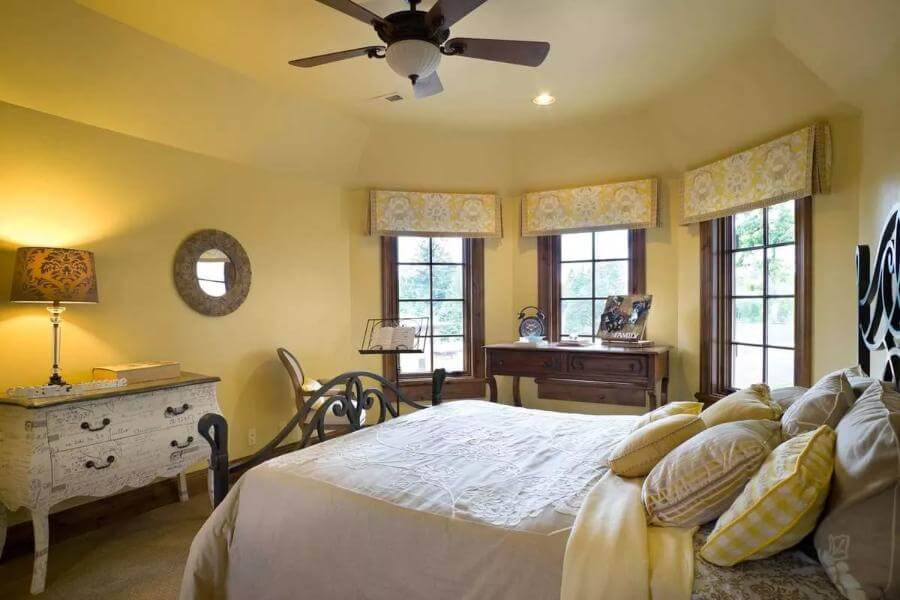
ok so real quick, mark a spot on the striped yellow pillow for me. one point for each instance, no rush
(780, 504)
(667, 410)
(639, 452)
(754, 402)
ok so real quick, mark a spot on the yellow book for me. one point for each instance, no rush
(140, 372)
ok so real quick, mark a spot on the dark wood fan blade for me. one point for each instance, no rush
(447, 12)
(530, 54)
(354, 10)
(429, 86)
(315, 61)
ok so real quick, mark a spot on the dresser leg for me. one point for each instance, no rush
(3, 525)
(41, 548)
(182, 488)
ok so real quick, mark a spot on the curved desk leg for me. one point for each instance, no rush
(664, 395)
(492, 386)
(41, 548)
(517, 396)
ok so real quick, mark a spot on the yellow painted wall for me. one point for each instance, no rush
(132, 202)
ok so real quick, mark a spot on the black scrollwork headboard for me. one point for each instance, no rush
(878, 326)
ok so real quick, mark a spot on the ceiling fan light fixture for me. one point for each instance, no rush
(544, 99)
(413, 58)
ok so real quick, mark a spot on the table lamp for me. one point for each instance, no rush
(56, 276)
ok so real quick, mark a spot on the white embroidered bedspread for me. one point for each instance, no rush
(466, 500)
(612, 553)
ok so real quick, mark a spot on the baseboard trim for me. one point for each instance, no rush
(83, 518)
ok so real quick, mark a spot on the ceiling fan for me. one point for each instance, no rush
(416, 40)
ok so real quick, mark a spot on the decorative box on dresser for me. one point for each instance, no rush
(95, 444)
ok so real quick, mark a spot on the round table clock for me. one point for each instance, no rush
(533, 325)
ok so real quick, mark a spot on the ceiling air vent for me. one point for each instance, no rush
(394, 98)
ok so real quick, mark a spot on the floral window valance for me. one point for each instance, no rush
(627, 205)
(434, 214)
(793, 166)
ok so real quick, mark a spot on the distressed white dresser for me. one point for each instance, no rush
(97, 444)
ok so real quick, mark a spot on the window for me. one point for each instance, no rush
(755, 302)
(578, 271)
(440, 278)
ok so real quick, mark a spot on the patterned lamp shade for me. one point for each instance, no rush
(54, 275)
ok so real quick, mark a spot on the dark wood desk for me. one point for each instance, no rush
(615, 375)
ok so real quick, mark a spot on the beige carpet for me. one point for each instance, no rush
(142, 558)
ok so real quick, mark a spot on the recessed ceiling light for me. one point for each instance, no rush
(544, 99)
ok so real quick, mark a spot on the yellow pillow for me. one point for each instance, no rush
(780, 504)
(749, 404)
(667, 410)
(638, 453)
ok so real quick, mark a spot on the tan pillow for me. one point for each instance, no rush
(750, 403)
(822, 404)
(644, 447)
(858, 539)
(697, 481)
(667, 410)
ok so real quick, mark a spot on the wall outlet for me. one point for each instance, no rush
(251, 437)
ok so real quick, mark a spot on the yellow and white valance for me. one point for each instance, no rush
(434, 214)
(627, 205)
(793, 166)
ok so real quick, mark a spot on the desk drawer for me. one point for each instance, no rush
(629, 367)
(86, 423)
(527, 363)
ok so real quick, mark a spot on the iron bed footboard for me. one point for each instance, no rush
(349, 403)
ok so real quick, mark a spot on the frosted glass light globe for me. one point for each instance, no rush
(413, 57)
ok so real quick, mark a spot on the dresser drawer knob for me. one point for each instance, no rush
(92, 465)
(186, 443)
(175, 411)
(103, 424)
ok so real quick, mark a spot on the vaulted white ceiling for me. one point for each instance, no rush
(605, 54)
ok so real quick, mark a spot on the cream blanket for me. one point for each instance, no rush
(612, 553)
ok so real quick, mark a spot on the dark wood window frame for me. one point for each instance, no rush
(715, 291)
(549, 296)
(549, 289)
(471, 384)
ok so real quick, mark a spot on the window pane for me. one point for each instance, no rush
(414, 282)
(575, 280)
(447, 281)
(575, 246)
(611, 244)
(448, 318)
(748, 229)
(447, 250)
(781, 269)
(412, 249)
(748, 273)
(415, 362)
(449, 354)
(780, 318)
(781, 367)
(781, 222)
(576, 317)
(409, 309)
(746, 365)
(747, 321)
(599, 305)
(611, 278)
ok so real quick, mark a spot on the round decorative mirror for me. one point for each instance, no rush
(212, 272)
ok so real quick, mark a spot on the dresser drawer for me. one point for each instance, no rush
(628, 367)
(87, 423)
(526, 362)
(104, 468)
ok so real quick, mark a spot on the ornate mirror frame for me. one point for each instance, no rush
(185, 272)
